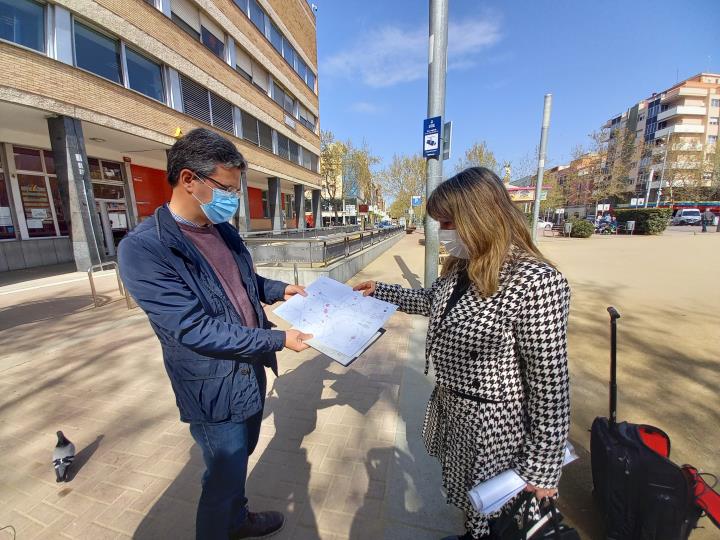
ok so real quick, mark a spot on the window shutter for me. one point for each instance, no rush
(250, 127)
(260, 76)
(195, 99)
(212, 27)
(222, 113)
(243, 61)
(188, 12)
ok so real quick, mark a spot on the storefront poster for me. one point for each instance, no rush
(38, 213)
(34, 223)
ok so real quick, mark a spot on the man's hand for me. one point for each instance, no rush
(366, 287)
(541, 493)
(292, 290)
(295, 340)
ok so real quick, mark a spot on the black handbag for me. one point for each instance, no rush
(512, 525)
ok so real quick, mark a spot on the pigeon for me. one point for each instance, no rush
(63, 456)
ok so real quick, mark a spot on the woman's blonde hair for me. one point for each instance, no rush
(476, 201)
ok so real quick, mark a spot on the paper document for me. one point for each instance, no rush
(490, 496)
(343, 322)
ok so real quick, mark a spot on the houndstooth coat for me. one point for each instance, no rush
(500, 360)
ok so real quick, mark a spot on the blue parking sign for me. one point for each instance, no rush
(416, 200)
(431, 137)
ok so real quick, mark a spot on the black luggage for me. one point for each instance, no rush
(642, 494)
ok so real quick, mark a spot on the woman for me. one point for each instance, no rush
(497, 342)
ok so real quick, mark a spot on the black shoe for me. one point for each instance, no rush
(260, 525)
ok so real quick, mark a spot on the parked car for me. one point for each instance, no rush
(687, 216)
(541, 224)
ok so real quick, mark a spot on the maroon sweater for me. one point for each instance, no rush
(211, 245)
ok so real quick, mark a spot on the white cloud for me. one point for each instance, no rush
(391, 55)
(364, 107)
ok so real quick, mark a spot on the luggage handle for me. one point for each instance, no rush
(614, 316)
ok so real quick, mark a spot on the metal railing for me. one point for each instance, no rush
(302, 233)
(123, 292)
(315, 251)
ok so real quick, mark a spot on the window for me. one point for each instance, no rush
(283, 146)
(276, 38)
(144, 75)
(23, 22)
(260, 77)
(250, 128)
(7, 229)
(288, 52)
(715, 102)
(713, 120)
(265, 135)
(257, 16)
(712, 139)
(215, 44)
(288, 206)
(244, 64)
(195, 99)
(306, 161)
(306, 118)
(294, 151)
(301, 69)
(310, 80)
(212, 36)
(314, 162)
(265, 204)
(97, 53)
(243, 5)
(283, 99)
(186, 15)
(39, 194)
(222, 113)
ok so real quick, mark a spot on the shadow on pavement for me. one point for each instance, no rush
(83, 456)
(408, 274)
(43, 310)
(39, 272)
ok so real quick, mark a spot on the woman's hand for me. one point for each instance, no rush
(366, 287)
(541, 493)
(292, 290)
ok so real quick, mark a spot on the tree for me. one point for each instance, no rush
(403, 178)
(359, 177)
(615, 148)
(332, 159)
(478, 155)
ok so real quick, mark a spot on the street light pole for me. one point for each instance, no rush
(662, 172)
(541, 163)
(437, 68)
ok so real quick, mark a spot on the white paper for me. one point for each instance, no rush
(339, 318)
(490, 496)
(34, 223)
(39, 213)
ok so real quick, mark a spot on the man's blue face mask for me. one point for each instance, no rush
(222, 206)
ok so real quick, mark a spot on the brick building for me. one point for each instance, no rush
(93, 93)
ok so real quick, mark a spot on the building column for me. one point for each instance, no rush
(73, 173)
(243, 213)
(275, 203)
(316, 210)
(300, 206)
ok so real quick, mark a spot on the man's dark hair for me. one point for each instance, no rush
(200, 151)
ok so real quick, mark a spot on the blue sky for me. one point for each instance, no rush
(596, 57)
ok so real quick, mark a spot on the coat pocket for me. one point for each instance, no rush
(202, 368)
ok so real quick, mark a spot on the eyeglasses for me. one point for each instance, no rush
(230, 190)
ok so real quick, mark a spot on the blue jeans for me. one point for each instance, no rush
(225, 448)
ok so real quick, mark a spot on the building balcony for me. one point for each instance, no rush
(679, 128)
(682, 110)
(684, 91)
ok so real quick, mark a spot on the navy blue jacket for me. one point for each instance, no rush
(210, 357)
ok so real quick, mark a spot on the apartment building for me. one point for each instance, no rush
(676, 131)
(93, 93)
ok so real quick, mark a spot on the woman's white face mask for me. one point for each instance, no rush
(453, 244)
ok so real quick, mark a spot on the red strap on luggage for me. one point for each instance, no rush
(706, 497)
(655, 439)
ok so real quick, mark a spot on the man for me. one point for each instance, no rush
(190, 272)
(707, 219)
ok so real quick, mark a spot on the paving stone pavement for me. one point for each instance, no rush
(340, 450)
(333, 453)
